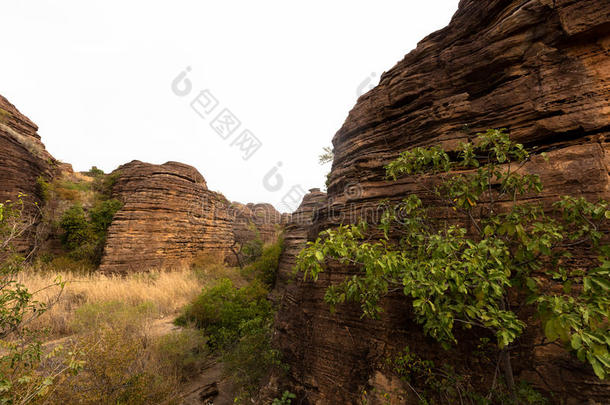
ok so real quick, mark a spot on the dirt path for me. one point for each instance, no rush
(198, 391)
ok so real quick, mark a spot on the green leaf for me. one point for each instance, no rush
(576, 342)
(550, 330)
(598, 368)
(489, 230)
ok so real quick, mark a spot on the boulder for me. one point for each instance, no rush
(168, 217)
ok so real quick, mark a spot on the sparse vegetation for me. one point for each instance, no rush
(116, 331)
(186, 351)
(103, 183)
(160, 293)
(27, 373)
(4, 116)
(285, 399)
(84, 236)
(462, 275)
(327, 156)
(238, 322)
(265, 266)
(444, 385)
(120, 365)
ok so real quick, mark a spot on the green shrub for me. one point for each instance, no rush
(185, 351)
(44, 188)
(285, 399)
(238, 322)
(266, 266)
(102, 213)
(466, 275)
(76, 229)
(252, 249)
(95, 172)
(221, 309)
(104, 184)
(83, 237)
(252, 357)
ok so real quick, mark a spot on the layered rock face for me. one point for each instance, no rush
(168, 216)
(295, 238)
(264, 217)
(23, 159)
(540, 68)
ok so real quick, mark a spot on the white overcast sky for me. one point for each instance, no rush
(96, 77)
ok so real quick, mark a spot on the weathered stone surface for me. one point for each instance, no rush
(295, 237)
(540, 68)
(23, 158)
(169, 216)
(266, 219)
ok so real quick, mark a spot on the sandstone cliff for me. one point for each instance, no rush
(264, 217)
(295, 238)
(168, 216)
(23, 159)
(540, 68)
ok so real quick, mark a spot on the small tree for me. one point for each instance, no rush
(21, 379)
(76, 229)
(462, 274)
(327, 155)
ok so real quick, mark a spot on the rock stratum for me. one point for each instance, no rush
(539, 68)
(262, 217)
(23, 159)
(168, 216)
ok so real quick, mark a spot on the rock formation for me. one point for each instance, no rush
(23, 159)
(537, 67)
(266, 219)
(168, 216)
(295, 237)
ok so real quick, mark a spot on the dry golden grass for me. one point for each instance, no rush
(168, 292)
(120, 330)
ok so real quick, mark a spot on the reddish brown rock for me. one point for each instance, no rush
(295, 236)
(264, 217)
(168, 217)
(23, 159)
(540, 68)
